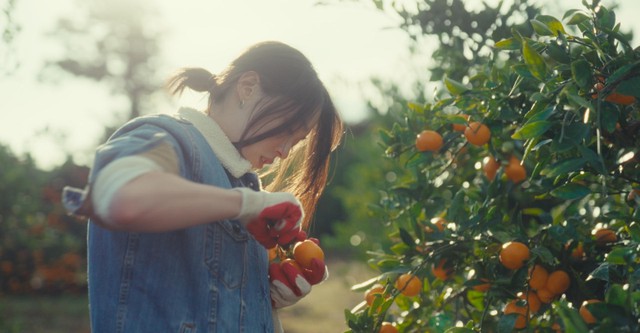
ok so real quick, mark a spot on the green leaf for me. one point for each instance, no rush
(552, 24)
(534, 61)
(620, 256)
(601, 272)
(578, 100)
(627, 70)
(508, 44)
(522, 70)
(387, 265)
(456, 210)
(616, 295)
(415, 107)
(459, 330)
(455, 88)
(406, 237)
(578, 18)
(540, 28)
(544, 254)
(558, 53)
(564, 167)
(537, 107)
(581, 72)
(507, 322)
(634, 231)
(571, 319)
(571, 191)
(593, 159)
(607, 18)
(630, 87)
(531, 130)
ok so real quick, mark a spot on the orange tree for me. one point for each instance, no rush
(518, 232)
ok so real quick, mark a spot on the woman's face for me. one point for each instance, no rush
(266, 151)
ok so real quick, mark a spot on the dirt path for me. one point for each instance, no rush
(322, 311)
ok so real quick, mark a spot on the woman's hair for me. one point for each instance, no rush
(295, 95)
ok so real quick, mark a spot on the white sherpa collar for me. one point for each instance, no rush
(218, 140)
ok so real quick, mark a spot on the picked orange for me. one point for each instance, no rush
(307, 250)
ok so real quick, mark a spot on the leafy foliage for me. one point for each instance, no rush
(41, 248)
(548, 99)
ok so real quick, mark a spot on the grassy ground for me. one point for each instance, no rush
(321, 311)
(60, 314)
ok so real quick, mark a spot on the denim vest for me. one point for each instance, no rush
(207, 278)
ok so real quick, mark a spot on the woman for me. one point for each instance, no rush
(179, 224)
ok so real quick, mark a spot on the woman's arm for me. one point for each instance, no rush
(159, 201)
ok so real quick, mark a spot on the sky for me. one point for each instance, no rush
(347, 42)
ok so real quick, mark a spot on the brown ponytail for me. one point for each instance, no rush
(194, 78)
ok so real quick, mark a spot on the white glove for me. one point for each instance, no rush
(272, 218)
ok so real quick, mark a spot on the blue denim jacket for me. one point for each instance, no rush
(208, 278)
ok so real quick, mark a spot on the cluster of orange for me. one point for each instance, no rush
(543, 286)
(477, 134)
(407, 284)
(299, 256)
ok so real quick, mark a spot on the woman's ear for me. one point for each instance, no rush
(248, 84)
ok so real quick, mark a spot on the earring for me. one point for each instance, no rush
(241, 103)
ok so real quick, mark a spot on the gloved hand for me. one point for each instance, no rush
(290, 283)
(272, 218)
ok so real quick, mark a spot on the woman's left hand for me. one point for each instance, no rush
(289, 283)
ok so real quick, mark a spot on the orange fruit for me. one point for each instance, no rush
(491, 168)
(558, 282)
(477, 133)
(387, 327)
(439, 223)
(545, 296)
(461, 127)
(292, 262)
(429, 140)
(513, 255)
(482, 287)
(533, 302)
(273, 253)
(408, 284)
(577, 252)
(538, 277)
(370, 294)
(613, 97)
(512, 307)
(515, 171)
(304, 252)
(605, 236)
(585, 313)
(618, 98)
(441, 272)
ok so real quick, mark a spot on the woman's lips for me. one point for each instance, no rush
(265, 160)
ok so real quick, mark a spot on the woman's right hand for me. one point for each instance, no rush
(272, 218)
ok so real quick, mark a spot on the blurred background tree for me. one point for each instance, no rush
(9, 29)
(115, 43)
